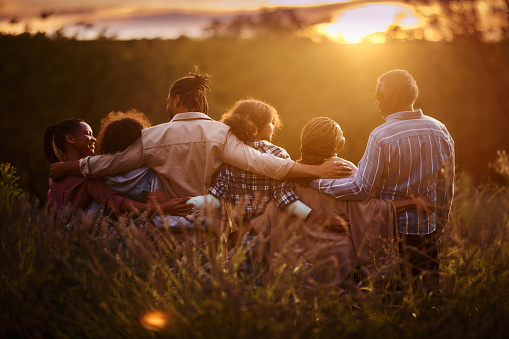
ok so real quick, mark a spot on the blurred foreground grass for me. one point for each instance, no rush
(104, 278)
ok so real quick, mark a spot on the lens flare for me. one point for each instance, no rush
(155, 320)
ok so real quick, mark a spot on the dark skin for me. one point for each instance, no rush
(83, 144)
(389, 102)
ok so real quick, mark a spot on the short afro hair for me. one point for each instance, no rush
(119, 130)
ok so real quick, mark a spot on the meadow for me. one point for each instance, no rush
(117, 277)
(110, 276)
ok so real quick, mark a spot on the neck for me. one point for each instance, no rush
(400, 109)
(71, 156)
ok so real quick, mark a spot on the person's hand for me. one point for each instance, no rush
(177, 206)
(157, 197)
(334, 224)
(424, 205)
(345, 173)
(159, 201)
(333, 170)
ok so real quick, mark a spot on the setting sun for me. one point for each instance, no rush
(355, 24)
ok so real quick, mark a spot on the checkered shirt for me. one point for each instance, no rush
(253, 190)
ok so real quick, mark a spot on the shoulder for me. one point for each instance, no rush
(270, 148)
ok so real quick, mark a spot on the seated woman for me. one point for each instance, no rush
(75, 139)
(370, 237)
(118, 131)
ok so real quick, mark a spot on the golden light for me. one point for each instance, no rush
(155, 320)
(355, 24)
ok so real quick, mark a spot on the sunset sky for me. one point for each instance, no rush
(128, 19)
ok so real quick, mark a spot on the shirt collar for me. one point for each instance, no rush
(405, 115)
(257, 144)
(190, 116)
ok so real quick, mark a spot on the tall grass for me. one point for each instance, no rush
(103, 276)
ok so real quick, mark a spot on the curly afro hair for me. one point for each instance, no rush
(119, 130)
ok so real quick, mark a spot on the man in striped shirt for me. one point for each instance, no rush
(410, 155)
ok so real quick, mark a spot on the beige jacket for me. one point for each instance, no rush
(185, 153)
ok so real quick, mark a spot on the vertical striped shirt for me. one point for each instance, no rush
(410, 155)
(253, 191)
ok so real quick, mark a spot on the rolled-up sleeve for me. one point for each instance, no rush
(240, 155)
(113, 163)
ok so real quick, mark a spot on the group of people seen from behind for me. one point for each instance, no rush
(179, 171)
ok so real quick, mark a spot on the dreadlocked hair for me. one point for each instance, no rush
(318, 142)
(191, 90)
(54, 135)
(248, 117)
(119, 130)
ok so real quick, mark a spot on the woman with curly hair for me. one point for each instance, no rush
(75, 139)
(119, 130)
(254, 122)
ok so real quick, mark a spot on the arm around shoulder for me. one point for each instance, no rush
(113, 163)
(240, 155)
(60, 169)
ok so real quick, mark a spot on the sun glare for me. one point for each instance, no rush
(355, 24)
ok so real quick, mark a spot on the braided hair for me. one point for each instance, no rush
(191, 90)
(319, 140)
(119, 130)
(248, 117)
(54, 135)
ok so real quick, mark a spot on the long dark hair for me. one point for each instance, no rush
(54, 135)
(191, 90)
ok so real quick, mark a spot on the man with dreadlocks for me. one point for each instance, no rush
(186, 151)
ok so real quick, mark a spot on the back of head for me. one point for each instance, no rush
(399, 83)
(248, 117)
(120, 130)
(55, 135)
(319, 140)
(191, 90)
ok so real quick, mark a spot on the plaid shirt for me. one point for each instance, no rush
(410, 155)
(250, 189)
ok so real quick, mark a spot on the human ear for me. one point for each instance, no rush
(69, 138)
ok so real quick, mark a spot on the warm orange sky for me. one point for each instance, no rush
(128, 19)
